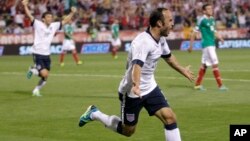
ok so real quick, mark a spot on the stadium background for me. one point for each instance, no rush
(202, 116)
(232, 21)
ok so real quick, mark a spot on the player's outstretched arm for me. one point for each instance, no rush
(185, 71)
(26, 9)
(69, 16)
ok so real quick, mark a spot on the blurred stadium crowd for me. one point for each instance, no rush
(132, 14)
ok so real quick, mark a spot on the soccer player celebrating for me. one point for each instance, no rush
(206, 26)
(138, 87)
(44, 32)
(69, 44)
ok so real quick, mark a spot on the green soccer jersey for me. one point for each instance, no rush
(207, 28)
(115, 31)
(68, 31)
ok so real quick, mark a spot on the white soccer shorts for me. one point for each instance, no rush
(209, 56)
(68, 45)
(116, 42)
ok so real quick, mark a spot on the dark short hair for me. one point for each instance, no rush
(204, 6)
(46, 13)
(155, 16)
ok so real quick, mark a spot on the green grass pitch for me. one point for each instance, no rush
(202, 116)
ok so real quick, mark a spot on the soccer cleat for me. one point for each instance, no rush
(223, 88)
(79, 63)
(62, 64)
(36, 92)
(200, 87)
(29, 73)
(85, 117)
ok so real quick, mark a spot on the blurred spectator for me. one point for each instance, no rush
(187, 29)
(124, 20)
(17, 29)
(2, 24)
(248, 33)
(241, 18)
(19, 18)
(132, 14)
(248, 18)
(93, 30)
(230, 17)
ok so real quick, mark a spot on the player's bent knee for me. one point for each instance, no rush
(128, 131)
(171, 119)
(166, 115)
(44, 73)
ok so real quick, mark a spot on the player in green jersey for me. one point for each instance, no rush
(69, 44)
(115, 40)
(206, 26)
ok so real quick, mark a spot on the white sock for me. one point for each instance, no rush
(34, 71)
(172, 135)
(110, 122)
(40, 85)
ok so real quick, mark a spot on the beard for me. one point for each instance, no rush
(164, 32)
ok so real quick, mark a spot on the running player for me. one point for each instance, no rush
(44, 32)
(138, 87)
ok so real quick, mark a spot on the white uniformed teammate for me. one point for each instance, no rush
(44, 32)
(138, 88)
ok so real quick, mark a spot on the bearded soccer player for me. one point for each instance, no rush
(44, 32)
(206, 26)
(138, 88)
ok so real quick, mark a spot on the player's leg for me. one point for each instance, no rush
(116, 43)
(75, 56)
(72, 48)
(65, 48)
(112, 122)
(157, 105)
(114, 52)
(43, 66)
(130, 110)
(32, 69)
(202, 70)
(41, 82)
(126, 128)
(62, 55)
(201, 74)
(215, 67)
(168, 118)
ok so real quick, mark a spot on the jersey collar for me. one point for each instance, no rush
(148, 31)
(205, 16)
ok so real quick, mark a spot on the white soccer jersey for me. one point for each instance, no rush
(147, 50)
(43, 36)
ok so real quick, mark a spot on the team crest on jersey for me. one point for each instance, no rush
(130, 117)
(162, 44)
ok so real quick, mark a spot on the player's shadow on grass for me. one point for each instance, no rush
(102, 97)
(20, 92)
(178, 86)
